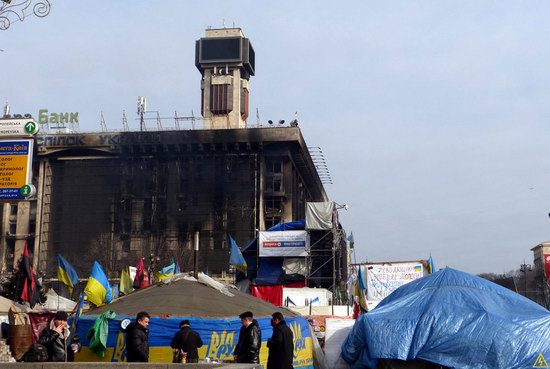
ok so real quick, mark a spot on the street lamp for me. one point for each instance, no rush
(524, 268)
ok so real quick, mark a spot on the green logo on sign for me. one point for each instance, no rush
(30, 127)
(25, 191)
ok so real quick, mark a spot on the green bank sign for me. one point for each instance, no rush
(44, 117)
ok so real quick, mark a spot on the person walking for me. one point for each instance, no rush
(58, 339)
(281, 344)
(250, 340)
(187, 341)
(137, 339)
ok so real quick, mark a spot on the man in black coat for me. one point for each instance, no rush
(250, 340)
(281, 344)
(60, 342)
(188, 341)
(137, 339)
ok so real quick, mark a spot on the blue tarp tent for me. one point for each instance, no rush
(453, 319)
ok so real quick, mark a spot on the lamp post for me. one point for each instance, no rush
(525, 268)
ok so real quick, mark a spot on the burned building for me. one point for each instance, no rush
(117, 196)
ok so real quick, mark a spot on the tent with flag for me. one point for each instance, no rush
(454, 319)
(98, 288)
(213, 310)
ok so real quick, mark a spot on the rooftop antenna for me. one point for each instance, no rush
(223, 22)
(103, 124)
(258, 117)
(192, 119)
(294, 122)
(159, 122)
(7, 109)
(125, 121)
(176, 119)
(141, 109)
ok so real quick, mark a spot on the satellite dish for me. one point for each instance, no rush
(270, 121)
(282, 121)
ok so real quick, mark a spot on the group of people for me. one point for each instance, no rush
(62, 344)
(247, 350)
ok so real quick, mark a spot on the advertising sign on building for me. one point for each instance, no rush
(283, 243)
(547, 266)
(15, 169)
(383, 279)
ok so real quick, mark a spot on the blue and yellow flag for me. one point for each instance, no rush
(79, 308)
(98, 288)
(66, 273)
(166, 272)
(431, 265)
(125, 281)
(236, 259)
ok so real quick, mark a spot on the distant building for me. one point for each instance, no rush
(117, 196)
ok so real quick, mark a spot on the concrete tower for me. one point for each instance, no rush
(226, 61)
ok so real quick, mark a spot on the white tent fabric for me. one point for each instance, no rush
(54, 302)
(319, 215)
(6, 304)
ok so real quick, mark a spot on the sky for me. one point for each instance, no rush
(433, 116)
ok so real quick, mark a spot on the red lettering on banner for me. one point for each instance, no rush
(547, 266)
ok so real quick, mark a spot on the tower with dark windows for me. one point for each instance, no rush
(225, 59)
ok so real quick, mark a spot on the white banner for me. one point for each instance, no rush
(383, 279)
(283, 243)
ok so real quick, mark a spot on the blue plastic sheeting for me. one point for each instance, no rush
(290, 226)
(453, 319)
(270, 270)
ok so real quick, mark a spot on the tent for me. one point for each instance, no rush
(453, 319)
(54, 302)
(212, 309)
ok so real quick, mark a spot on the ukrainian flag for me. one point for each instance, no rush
(66, 273)
(98, 288)
(236, 259)
(78, 312)
(166, 272)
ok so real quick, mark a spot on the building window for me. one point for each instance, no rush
(13, 228)
(244, 103)
(221, 99)
(272, 221)
(274, 176)
(13, 209)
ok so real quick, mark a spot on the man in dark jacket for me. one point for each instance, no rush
(281, 344)
(250, 340)
(61, 343)
(137, 339)
(188, 341)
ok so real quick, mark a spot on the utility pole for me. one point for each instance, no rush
(524, 268)
(196, 255)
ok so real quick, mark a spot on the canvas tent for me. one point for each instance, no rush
(54, 302)
(212, 309)
(453, 319)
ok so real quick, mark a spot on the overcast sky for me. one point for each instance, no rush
(433, 115)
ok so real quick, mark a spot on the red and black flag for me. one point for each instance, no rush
(31, 288)
(141, 280)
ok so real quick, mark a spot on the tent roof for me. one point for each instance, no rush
(5, 305)
(453, 319)
(54, 302)
(184, 296)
